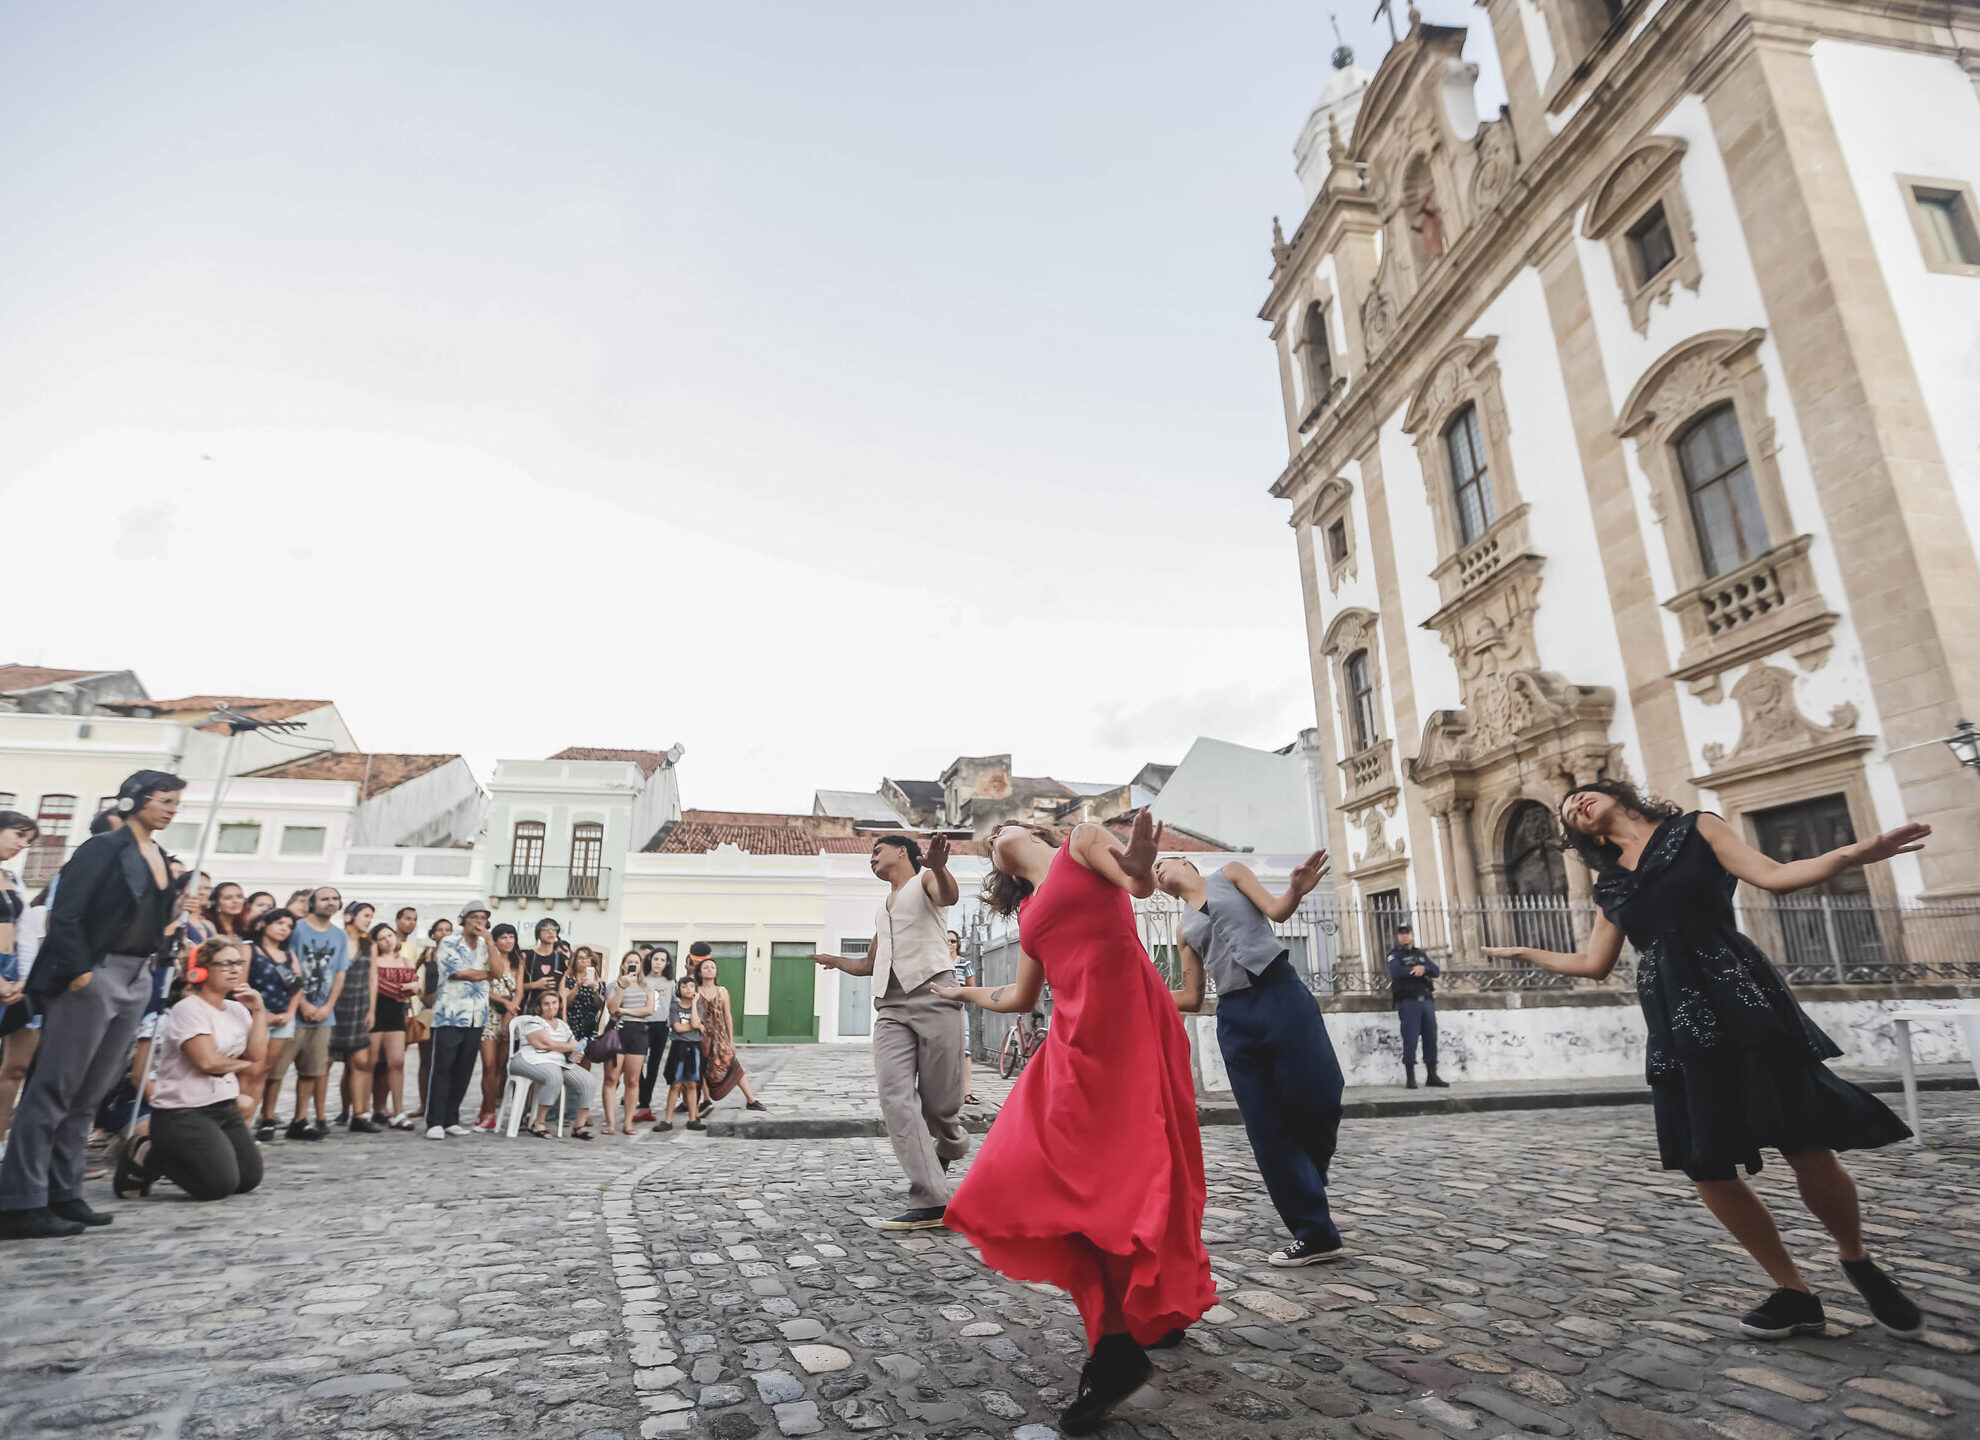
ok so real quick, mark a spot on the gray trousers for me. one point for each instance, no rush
(918, 1060)
(546, 1078)
(85, 1045)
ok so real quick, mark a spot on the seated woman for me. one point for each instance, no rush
(545, 1057)
(208, 1040)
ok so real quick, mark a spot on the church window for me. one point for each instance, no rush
(1651, 245)
(1471, 482)
(1942, 213)
(1725, 504)
(1337, 542)
(1362, 729)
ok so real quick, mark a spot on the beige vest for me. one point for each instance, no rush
(913, 939)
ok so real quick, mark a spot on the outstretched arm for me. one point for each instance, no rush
(1133, 867)
(1013, 999)
(935, 876)
(1594, 963)
(862, 965)
(1781, 877)
(1278, 907)
(1189, 999)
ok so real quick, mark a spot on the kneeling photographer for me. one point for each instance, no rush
(211, 1037)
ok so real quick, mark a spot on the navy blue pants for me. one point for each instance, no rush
(1419, 1018)
(1288, 1087)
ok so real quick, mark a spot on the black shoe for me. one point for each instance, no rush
(756, 1105)
(1430, 1079)
(264, 1132)
(929, 1219)
(1307, 1252)
(298, 1130)
(1785, 1313)
(380, 1120)
(1115, 1370)
(664, 1126)
(695, 1125)
(1409, 1083)
(78, 1210)
(1168, 1342)
(361, 1126)
(318, 1131)
(40, 1223)
(343, 1117)
(1890, 1306)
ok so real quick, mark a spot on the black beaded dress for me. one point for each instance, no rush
(1734, 1064)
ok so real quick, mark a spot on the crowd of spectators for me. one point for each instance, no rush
(189, 1055)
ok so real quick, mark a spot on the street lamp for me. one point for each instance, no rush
(1964, 743)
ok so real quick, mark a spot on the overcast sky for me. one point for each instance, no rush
(831, 389)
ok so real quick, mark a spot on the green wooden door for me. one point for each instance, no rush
(732, 973)
(793, 984)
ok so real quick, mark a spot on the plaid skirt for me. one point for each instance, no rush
(350, 1033)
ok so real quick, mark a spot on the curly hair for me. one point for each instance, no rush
(1598, 854)
(1002, 894)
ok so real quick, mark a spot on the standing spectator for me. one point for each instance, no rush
(1410, 975)
(502, 1009)
(17, 832)
(633, 1002)
(226, 912)
(658, 963)
(107, 922)
(721, 1072)
(299, 902)
(207, 1041)
(460, 1009)
(278, 979)
(197, 929)
(323, 950)
(542, 967)
(394, 978)
(684, 1057)
(258, 905)
(545, 1059)
(357, 1006)
(419, 1006)
(584, 1001)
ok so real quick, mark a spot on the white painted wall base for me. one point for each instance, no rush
(1570, 1043)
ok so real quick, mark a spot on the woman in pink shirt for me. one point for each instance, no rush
(208, 1039)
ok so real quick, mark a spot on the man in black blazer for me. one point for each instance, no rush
(90, 981)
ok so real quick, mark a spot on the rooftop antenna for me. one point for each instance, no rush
(1343, 52)
(1386, 11)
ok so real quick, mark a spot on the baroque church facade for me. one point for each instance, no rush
(1634, 433)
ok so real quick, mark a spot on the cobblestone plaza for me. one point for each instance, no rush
(1523, 1272)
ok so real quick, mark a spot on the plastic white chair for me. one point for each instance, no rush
(516, 1098)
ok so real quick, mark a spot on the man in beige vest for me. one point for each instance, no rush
(917, 1035)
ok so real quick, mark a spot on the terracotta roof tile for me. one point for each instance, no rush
(374, 773)
(260, 708)
(647, 760)
(1175, 839)
(14, 678)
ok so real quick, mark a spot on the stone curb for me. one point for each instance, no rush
(755, 1125)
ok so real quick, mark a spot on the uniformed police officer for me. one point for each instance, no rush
(1410, 975)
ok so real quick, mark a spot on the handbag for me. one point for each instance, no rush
(605, 1047)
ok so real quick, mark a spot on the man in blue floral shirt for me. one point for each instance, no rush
(460, 1009)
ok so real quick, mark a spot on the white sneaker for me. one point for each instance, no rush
(436, 1133)
(458, 1130)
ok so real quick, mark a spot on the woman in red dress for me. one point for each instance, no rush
(1092, 1177)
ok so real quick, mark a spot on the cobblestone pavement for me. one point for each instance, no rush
(1526, 1272)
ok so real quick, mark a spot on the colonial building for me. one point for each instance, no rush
(1633, 434)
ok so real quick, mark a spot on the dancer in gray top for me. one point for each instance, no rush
(1282, 1067)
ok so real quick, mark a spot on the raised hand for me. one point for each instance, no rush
(938, 853)
(1310, 872)
(1901, 841)
(1144, 844)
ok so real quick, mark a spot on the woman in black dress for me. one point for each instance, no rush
(1734, 1064)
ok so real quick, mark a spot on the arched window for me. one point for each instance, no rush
(1471, 481)
(587, 851)
(1317, 354)
(1362, 729)
(51, 845)
(526, 858)
(1725, 505)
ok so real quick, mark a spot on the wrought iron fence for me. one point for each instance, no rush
(1342, 949)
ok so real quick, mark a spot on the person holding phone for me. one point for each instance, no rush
(632, 1002)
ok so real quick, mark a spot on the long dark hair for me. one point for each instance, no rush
(1598, 854)
(369, 945)
(223, 924)
(1002, 894)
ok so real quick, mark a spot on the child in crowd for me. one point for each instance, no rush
(684, 1057)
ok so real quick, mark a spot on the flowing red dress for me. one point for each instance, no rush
(1097, 1147)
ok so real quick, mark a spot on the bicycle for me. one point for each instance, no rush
(1021, 1044)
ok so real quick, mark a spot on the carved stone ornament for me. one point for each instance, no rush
(1771, 725)
(1378, 313)
(1377, 847)
(1498, 159)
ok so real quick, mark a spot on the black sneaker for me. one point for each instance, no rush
(298, 1130)
(318, 1131)
(1115, 1370)
(343, 1117)
(362, 1126)
(40, 1223)
(1785, 1313)
(695, 1125)
(756, 1105)
(1307, 1252)
(264, 1132)
(1889, 1306)
(380, 1120)
(663, 1127)
(79, 1211)
(929, 1219)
